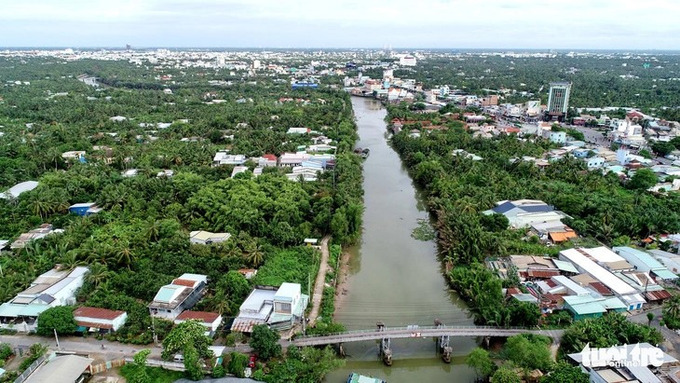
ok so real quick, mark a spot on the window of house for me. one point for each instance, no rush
(283, 307)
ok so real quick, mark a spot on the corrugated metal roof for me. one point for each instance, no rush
(658, 295)
(565, 266)
(664, 274)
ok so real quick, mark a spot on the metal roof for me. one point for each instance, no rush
(61, 369)
(610, 280)
(287, 291)
(565, 266)
(19, 188)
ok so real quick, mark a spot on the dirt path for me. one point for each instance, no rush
(317, 295)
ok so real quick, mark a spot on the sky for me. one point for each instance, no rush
(507, 24)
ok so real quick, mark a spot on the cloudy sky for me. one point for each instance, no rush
(558, 24)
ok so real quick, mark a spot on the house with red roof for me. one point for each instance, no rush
(211, 321)
(94, 319)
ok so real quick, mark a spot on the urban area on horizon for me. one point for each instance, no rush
(339, 215)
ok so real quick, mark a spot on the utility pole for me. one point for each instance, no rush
(57, 338)
(153, 329)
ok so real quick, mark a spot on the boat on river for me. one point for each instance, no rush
(362, 152)
(356, 378)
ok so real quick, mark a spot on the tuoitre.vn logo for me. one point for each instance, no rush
(622, 356)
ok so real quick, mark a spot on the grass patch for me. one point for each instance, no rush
(155, 374)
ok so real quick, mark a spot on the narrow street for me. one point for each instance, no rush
(317, 294)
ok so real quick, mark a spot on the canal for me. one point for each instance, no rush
(393, 277)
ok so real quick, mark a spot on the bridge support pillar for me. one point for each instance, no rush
(385, 351)
(341, 350)
(487, 341)
(443, 343)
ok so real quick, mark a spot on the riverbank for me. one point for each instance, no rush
(341, 281)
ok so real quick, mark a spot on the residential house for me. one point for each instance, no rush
(93, 319)
(202, 237)
(223, 157)
(62, 369)
(182, 294)
(211, 321)
(644, 262)
(84, 209)
(670, 260)
(298, 131)
(306, 173)
(3, 244)
(165, 173)
(639, 362)
(130, 173)
(594, 162)
(38, 233)
(16, 190)
(522, 213)
(266, 160)
(248, 273)
(585, 263)
(238, 169)
(51, 289)
(77, 155)
(588, 306)
(293, 159)
(280, 308)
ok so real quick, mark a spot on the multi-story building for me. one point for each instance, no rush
(182, 294)
(558, 98)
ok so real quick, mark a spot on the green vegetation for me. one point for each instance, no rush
(188, 338)
(59, 319)
(671, 312)
(480, 360)
(459, 189)
(308, 365)
(265, 342)
(609, 330)
(139, 241)
(566, 373)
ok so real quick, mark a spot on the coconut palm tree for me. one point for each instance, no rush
(98, 274)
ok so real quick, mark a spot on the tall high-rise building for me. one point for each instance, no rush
(558, 98)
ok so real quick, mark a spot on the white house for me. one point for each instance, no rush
(95, 319)
(298, 131)
(223, 157)
(280, 308)
(211, 321)
(293, 159)
(51, 289)
(594, 162)
(202, 237)
(182, 294)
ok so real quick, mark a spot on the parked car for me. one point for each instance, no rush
(252, 360)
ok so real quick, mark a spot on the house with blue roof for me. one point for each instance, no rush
(525, 212)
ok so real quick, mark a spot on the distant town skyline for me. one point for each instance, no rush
(464, 24)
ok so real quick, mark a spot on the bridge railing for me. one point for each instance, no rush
(417, 328)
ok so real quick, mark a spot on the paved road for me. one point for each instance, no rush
(671, 338)
(320, 281)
